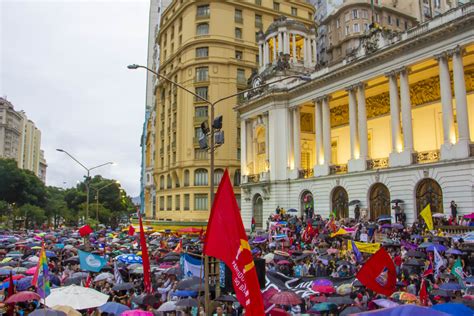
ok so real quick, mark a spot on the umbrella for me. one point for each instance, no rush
(72, 260)
(47, 312)
(22, 297)
(278, 312)
(137, 312)
(323, 307)
(397, 226)
(77, 297)
(24, 283)
(129, 258)
(404, 296)
(322, 282)
(414, 262)
(123, 286)
(283, 262)
(31, 271)
(226, 298)
(184, 293)
(426, 245)
(407, 309)
(340, 300)
(384, 217)
(187, 302)
(344, 289)
(285, 298)
(437, 246)
(448, 276)
(469, 216)
(113, 308)
(323, 289)
(453, 309)
(438, 215)
(193, 283)
(167, 307)
(453, 251)
(269, 257)
(442, 293)
(190, 230)
(397, 201)
(71, 281)
(146, 299)
(382, 302)
(452, 286)
(351, 310)
(5, 272)
(104, 276)
(354, 202)
(82, 275)
(416, 254)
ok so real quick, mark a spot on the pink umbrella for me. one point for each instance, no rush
(323, 289)
(322, 282)
(469, 216)
(136, 312)
(31, 271)
(332, 250)
(22, 297)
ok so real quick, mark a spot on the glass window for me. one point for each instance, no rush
(238, 16)
(347, 30)
(258, 21)
(389, 19)
(162, 203)
(276, 6)
(202, 74)
(237, 177)
(241, 76)
(200, 202)
(198, 132)
(238, 197)
(365, 14)
(168, 182)
(406, 25)
(356, 28)
(200, 177)
(294, 11)
(202, 29)
(186, 178)
(200, 154)
(186, 202)
(162, 182)
(203, 11)
(338, 23)
(201, 111)
(169, 202)
(177, 202)
(397, 21)
(218, 173)
(238, 32)
(347, 17)
(202, 52)
(238, 54)
(258, 2)
(202, 92)
(355, 14)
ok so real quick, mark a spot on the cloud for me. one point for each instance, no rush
(64, 63)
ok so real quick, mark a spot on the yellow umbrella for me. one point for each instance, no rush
(67, 309)
(36, 247)
(7, 259)
(139, 253)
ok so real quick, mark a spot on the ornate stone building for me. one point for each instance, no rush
(395, 121)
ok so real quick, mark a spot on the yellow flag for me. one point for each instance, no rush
(341, 231)
(364, 246)
(426, 214)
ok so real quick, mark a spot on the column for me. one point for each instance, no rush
(406, 111)
(449, 136)
(274, 49)
(353, 124)
(260, 55)
(267, 138)
(249, 148)
(287, 42)
(395, 113)
(362, 115)
(295, 60)
(319, 131)
(296, 139)
(280, 43)
(290, 138)
(305, 52)
(284, 42)
(460, 95)
(326, 131)
(266, 54)
(315, 52)
(243, 147)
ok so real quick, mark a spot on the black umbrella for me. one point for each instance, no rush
(75, 281)
(352, 310)
(414, 262)
(343, 262)
(226, 298)
(193, 284)
(72, 260)
(442, 293)
(416, 254)
(447, 276)
(145, 299)
(47, 312)
(123, 286)
(340, 300)
(397, 201)
(354, 202)
(187, 302)
(357, 283)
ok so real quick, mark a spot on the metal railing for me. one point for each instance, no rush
(426, 156)
(378, 163)
(338, 169)
(253, 178)
(305, 173)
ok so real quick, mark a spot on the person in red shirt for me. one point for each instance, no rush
(398, 262)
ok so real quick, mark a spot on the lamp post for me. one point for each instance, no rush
(86, 182)
(97, 190)
(212, 143)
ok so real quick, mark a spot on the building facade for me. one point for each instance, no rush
(210, 48)
(394, 122)
(20, 139)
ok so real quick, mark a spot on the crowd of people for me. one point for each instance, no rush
(316, 259)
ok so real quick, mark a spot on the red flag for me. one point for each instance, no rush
(378, 273)
(145, 258)
(131, 230)
(85, 230)
(429, 270)
(179, 247)
(88, 281)
(225, 227)
(11, 285)
(423, 293)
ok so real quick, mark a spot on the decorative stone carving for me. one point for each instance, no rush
(306, 122)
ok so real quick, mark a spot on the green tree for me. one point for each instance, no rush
(32, 215)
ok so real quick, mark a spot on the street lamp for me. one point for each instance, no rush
(86, 182)
(97, 190)
(212, 140)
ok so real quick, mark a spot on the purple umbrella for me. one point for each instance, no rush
(24, 283)
(385, 303)
(407, 309)
(322, 282)
(450, 286)
(437, 246)
(386, 226)
(453, 251)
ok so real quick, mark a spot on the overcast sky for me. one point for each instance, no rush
(64, 63)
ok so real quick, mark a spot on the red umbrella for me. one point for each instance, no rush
(324, 289)
(15, 277)
(318, 299)
(23, 297)
(278, 312)
(191, 230)
(285, 298)
(284, 262)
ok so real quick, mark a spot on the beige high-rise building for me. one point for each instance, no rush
(20, 139)
(210, 48)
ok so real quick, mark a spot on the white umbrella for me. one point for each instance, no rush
(33, 259)
(77, 297)
(167, 307)
(438, 215)
(104, 276)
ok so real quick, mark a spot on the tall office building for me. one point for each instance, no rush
(10, 130)
(211, 49)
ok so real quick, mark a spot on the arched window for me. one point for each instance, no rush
(162, 182)
(218, 173)
(340, 202)
(168, 182)
(428, 191)
(200, 177)
(237, 177)
(186, 178)
(379, 201)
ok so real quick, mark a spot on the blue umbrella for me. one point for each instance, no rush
(404, 310)
(453, 251)
(50, 254)
(24, 283)
(470, 279)
(437, 246)
(384, 216)
(129, 258)
(113, 308)
(454, 309)
(6, 285)
(451, 286)
(6, 272)
(323, 307)
(185, 293)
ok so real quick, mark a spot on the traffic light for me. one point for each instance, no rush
(217, 124)
(219, 138)
(205, 128)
